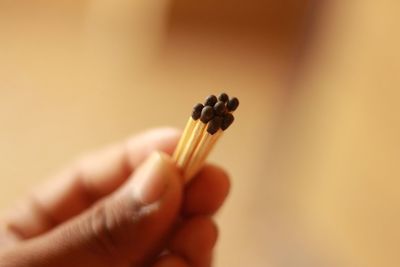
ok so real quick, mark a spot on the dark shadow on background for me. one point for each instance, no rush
(283, 29)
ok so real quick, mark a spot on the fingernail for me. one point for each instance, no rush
(151, 178)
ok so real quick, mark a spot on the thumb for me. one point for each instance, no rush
(126, 228)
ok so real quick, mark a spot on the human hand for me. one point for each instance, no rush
(123, 206)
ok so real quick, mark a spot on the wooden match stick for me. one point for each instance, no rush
(206, 143)
(203, 129)
(206, 115)
(215, 129)
(219, 109)
(196, 113)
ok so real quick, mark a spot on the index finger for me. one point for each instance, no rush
(79, 186)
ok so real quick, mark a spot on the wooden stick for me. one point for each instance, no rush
(191, 144)
(201, 153)
(195, 136)
(196, 114)
(184, 138)
(202, 131)
(215, 129)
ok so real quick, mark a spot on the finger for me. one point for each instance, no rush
(195, 240)
(170, 261)
(127, 227)
(206, 192)
(93, 177)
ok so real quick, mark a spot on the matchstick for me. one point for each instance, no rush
(206, 115)
(203, 129)
(196, 113)
(206, 143)
(215, 129)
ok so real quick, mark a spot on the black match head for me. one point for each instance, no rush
(219, 108)
(223, 97)
(207, 114)
(210, 100)
(232, 104)
(227, 120)
(196, 113)
(214, 125)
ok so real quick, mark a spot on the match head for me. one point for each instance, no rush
(223, 97)
(219, 108)
(214, 125)
(227, 120)
(196, 113)
(232, 104)
(210, 100)
(207, 114)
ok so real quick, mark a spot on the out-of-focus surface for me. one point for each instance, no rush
(314, 150)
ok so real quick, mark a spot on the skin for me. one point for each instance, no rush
(86, 215)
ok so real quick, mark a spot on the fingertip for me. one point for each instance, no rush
(171, 261)
(207, 191)
(153, 177)
(195, 238)
(218, 174)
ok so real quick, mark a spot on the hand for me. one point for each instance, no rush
(123, 206)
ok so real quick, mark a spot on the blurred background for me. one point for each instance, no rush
(314, 153)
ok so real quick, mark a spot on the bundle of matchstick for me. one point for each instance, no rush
(203, 129)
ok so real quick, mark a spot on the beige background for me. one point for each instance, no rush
(314, 151)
